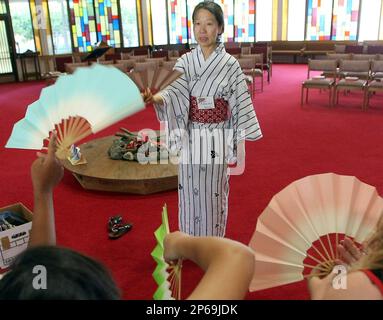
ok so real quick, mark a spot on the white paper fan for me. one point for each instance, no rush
(77, 105)
(302, 225)
(156, 79)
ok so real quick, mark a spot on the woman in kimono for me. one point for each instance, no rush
(208, 111)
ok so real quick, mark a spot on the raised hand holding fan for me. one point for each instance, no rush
(167, 277)
(302, 225)
(77, 105)
(156, 79)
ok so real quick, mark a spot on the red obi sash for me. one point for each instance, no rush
(219, 114)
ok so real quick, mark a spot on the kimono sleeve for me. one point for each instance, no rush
(175, 110)
(243, 119)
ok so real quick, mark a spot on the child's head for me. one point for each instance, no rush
(55, 273)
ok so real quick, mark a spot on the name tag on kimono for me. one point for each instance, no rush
(205, 103)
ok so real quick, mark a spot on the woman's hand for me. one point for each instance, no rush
(148, 97)
(46, 170)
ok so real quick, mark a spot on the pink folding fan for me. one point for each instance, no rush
(155, 79)
(302, 225)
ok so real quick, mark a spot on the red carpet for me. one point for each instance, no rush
(297, 142)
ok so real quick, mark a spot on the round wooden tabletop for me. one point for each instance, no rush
(102, 173)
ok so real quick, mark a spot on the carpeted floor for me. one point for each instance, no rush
(297, 142)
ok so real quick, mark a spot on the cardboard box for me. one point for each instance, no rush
(15, 240)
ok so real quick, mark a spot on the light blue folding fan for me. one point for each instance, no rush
(76, 106)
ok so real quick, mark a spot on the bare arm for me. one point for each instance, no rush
(228, 265)
(357, 287)
(46, 173)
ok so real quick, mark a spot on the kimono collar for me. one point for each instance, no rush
(220, 48)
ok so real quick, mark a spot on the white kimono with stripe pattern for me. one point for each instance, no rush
(205, 148)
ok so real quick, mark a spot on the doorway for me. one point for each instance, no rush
(7, 57)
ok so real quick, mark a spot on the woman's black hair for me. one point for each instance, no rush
(69, 276)
(214, 9)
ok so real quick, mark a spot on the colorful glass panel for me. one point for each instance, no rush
(345, 19)
(228, 13)
(108, 22)
(319, 14)
(244, 27)
(191, 4)
(129, 23)
(83, 24)
(177, 21)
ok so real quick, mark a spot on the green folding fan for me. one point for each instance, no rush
(167, 277)
(76, 106)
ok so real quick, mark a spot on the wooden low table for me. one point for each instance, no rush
(104, 174)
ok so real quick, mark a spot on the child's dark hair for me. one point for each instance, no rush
(214, 9)
(70, 276)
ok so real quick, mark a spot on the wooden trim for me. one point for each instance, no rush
(274, 20)
(380, 18)
(71, 29)
(359, 15)
(120, 24)
(139, 22)
(150, 22)
(167, 21)
(306, 21)
(285, 19)
(332, 20)
(36, 36)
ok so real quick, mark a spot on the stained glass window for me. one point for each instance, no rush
(381, 22)
(345, 19)
(177, 21)
(58, 12)
(5, 55)
(159, 25)
(296, 20)
(244, 28)
(228, 13)
(280, 19)
(3, 8)
(83, 24)
(369, 20)
(319, 14)
(264, 19)
(191, 4)
(41, 26)
(129, 22)
(108, 22)
(22, 25)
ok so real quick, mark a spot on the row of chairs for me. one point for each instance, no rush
(351, 56)
(140, 54)
(140, 63)
(263, 48)
(351, 75)
(251, 65)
